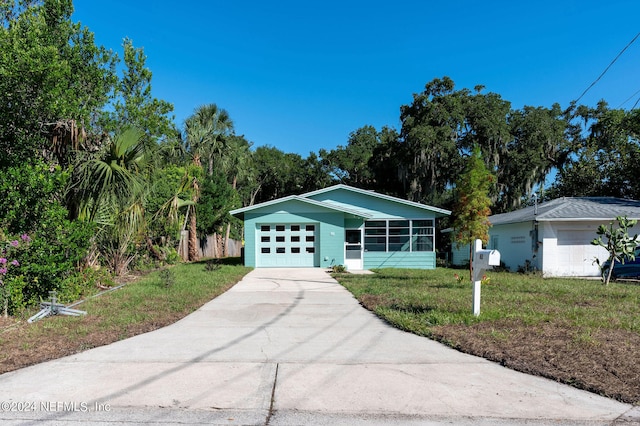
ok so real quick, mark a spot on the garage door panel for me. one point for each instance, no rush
(282, 245)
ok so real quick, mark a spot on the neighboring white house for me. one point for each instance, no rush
(555, 236)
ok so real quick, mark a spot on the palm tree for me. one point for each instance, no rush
(204, 137)
(109, 189)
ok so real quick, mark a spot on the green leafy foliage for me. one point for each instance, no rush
(50, 69)
(619, 244)
(472, 207)
(217, 197)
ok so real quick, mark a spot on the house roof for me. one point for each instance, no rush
(596, 209)
(239, 213)
(439, 212)
(308, 198)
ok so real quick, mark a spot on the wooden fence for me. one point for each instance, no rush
(210, 247)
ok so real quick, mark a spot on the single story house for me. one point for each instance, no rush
(340, 225)
(555, 237)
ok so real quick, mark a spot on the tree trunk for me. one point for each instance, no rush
(157, 254)
(226, 235)
(193, 237)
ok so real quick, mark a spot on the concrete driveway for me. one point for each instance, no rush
(289, 347)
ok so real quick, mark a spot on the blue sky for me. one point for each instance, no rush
(302, 75)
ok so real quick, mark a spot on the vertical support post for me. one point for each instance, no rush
(476, 298)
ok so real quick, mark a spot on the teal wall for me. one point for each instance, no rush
(330, 234)
(400, 259)
(377, 207)
(331, 225)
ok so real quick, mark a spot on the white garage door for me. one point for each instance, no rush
(576, 253)
(284, 245)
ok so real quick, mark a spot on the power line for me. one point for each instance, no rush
(607, 69)
(629, 98)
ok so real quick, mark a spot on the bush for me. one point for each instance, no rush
(30, 204)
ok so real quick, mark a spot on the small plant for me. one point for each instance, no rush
(339, 269)
(458, 278)
(212, 265)
(485, 280)
(167, 278)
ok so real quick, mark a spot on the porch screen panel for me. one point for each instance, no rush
(399, 235)
(375, 235)
(422, 235)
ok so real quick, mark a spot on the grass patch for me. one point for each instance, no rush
(571, 330)
(158, 299)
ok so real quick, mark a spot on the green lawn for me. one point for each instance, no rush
(148, 303)
(571, 330)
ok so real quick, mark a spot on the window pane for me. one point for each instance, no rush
(280, 239)
(310, 250)
(295, 238)
(398, 231)
(280, 250)
(309, 238)
(422, 243)
(266, 250)
(265, 239)
(310, 228)
(399, 243)
(398, 224)
(279, 228)
(265, 228)
(295, 228)
(375, 243)
(375, 231)
(375, 224)
(295, 249)
(422, 223)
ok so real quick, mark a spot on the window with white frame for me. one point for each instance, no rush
(399, 235)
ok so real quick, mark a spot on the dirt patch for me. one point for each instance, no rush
(604, 362)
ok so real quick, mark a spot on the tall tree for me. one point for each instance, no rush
(431, 128)
(50, 71)
(350, 164)
(606, 155)
(134, 104)
(205, 133)
(472, 207)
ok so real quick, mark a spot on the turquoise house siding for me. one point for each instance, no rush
(377, 208)
(310, 229)
(400, 259)
(330, 233)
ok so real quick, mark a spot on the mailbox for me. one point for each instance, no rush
(482, 260)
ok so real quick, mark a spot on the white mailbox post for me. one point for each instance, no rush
(482, 260)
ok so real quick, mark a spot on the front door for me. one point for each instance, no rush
(353, 249)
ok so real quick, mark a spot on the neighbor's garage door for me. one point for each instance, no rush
(576, 254)
(287, 245)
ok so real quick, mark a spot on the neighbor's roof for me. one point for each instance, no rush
(239, 213)
(571, 209)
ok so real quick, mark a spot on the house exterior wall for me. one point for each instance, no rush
(330, 230)
(515, 242)
(377, 207)
(383, 209)
(400, 259)
(459, 254)
(331, 225)
(568, 251)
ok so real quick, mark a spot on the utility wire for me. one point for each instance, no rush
(629, 98)
(607, 69)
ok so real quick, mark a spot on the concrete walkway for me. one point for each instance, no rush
(289, 347)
